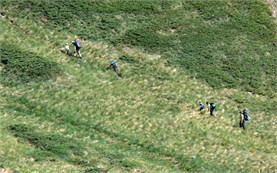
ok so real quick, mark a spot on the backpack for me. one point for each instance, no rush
(246, 115)
(78, 43)
(113, 63)
(213, 105)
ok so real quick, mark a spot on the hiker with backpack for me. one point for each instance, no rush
(113, 64)
(211, 107)
(77, 47)
(245, 113)
(244, 116)
(242, 121)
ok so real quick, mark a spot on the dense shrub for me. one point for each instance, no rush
(22, 67)
(143, 37)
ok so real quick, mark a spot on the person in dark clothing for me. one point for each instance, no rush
(245, 114)
(77, 47)
(114, 66)
(211, 107)
(242, 121)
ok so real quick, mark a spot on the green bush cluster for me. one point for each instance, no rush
(150, 41)
(22, 67)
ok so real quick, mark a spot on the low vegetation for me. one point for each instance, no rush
(23, 67)
(236, 39)
(60, 114)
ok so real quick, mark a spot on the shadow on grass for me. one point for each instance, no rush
(50, 145)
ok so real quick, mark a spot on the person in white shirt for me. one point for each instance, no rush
(242, 121)
(67, 49)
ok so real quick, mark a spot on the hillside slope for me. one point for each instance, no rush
(71, 115)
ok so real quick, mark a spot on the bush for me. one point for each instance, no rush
(147, 39)
(21, 67)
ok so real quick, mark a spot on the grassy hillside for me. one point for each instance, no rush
(60, 114)
(236, 39)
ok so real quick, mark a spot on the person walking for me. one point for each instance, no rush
(242, 121)
(113, 64)
(202, 106)
(67, 49)
(77, 47)
(211, 107)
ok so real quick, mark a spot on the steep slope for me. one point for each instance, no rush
(88, 120)
(236, 39)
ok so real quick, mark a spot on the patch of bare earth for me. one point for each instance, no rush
(3, 170)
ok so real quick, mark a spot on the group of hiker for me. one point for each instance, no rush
(77, 47)
(244, 114)
(77, 53)
(211, 107)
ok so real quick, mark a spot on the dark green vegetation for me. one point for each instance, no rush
(23, 67)
(64, 115)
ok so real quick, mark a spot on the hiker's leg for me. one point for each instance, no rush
(79, 52)
(75, 51)
(243, 126)
(116, 71)
(213, 111)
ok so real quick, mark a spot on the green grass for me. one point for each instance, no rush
(23, 67)
(78, 116)
(233, 38)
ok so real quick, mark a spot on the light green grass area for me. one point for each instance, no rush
(86, 119)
